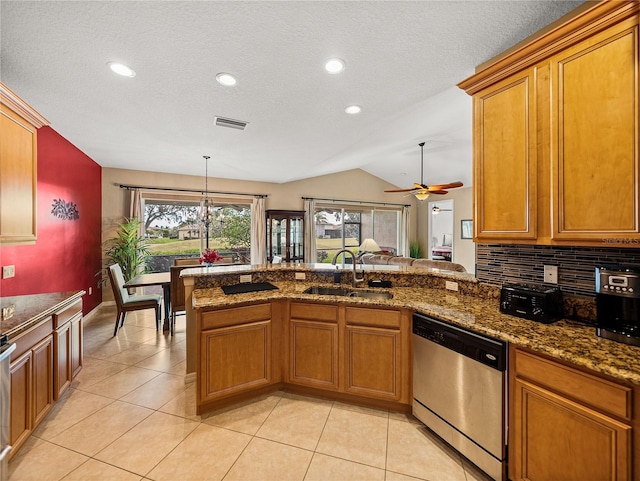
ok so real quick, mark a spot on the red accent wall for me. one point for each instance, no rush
(67, 254)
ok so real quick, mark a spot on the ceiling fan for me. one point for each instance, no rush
(422, 190)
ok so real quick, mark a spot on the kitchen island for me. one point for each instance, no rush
(359, 349)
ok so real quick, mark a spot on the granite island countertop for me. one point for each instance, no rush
(567, 340)
(32, 308)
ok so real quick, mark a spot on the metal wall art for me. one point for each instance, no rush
(64, 210)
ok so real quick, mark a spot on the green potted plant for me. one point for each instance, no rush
(415, 250)
(128, 249)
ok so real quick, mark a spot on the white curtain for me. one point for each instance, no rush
(403, 241)
(258, 231)
(310, 255)
(136, 209)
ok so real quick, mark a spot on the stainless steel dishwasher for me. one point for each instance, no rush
(459, 390)
(5, 408)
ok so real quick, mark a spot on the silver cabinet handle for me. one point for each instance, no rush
(5, 451)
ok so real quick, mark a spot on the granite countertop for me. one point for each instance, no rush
(567, 340)
(33, 308)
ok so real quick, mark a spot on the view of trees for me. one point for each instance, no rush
(230, 228)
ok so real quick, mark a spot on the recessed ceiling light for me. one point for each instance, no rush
(226, 79)
(334, 65)
(121, 69)
(353, 109)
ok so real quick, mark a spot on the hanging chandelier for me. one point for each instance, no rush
(206, 208)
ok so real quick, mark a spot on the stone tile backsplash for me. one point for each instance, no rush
(497, 264)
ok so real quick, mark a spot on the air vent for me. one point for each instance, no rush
(231, 123)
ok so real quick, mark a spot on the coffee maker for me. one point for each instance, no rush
(618, 304)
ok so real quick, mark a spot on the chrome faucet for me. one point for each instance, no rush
(356, 280)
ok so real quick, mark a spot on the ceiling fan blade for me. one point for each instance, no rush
(438, 191)
(451, 185)
(403, 190)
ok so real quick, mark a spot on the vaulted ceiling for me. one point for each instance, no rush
(403, 60)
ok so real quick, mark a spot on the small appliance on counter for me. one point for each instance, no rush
(536, 303)
(618, 304)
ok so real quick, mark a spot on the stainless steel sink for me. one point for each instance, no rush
(327, 291)
(341, 291)
(371, 294)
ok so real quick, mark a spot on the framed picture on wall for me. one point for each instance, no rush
(467, 229)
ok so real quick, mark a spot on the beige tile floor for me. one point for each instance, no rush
(129, 416)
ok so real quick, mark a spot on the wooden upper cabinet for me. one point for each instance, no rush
(19, 125)
(505, 159)
(556, 134)
(594, 87)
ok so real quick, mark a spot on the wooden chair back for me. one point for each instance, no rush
(186, 261)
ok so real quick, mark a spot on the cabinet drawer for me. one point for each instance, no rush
(237, 315)
(314, 312)
(373, 317)
(59, 318)
(603, 395)
(26, 340)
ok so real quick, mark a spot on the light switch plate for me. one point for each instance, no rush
(8, 271)
(551, 274)
(301, 276)
(245, 278)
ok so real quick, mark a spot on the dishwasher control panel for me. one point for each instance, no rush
(480, 348)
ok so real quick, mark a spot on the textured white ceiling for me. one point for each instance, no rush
(403, 58)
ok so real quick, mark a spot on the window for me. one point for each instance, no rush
(346, 227)
(173, 228)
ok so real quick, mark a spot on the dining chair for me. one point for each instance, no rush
(126, 302)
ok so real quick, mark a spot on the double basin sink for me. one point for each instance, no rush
(342, 291)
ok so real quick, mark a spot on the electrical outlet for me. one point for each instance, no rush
(90, 290)
(301, 276)
(551, 274)
(245, 278)
(8, 271)
(7, 312)
(452, 286)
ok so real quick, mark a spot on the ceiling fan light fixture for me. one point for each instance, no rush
(334, 66)
(121, 69)
(422, 195)
(226, 79)
(435, 210)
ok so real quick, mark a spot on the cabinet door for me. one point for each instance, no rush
(62, 354)
(313, 354)
(77, 340)
(21, 398)
(234, 359)
(556, 438)
(505, 159)
(42, 379)
(594, 139)
(373, 362)
(18, 178)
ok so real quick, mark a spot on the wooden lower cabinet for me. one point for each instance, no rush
(314, 348)
(21, 372)
(566, 424)
(47, 357)
(314, 354)
(68, 354)
(373, 362)
(359, 351)
(42, 378)
(31, 390)
(77, 341)
(234, 352)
